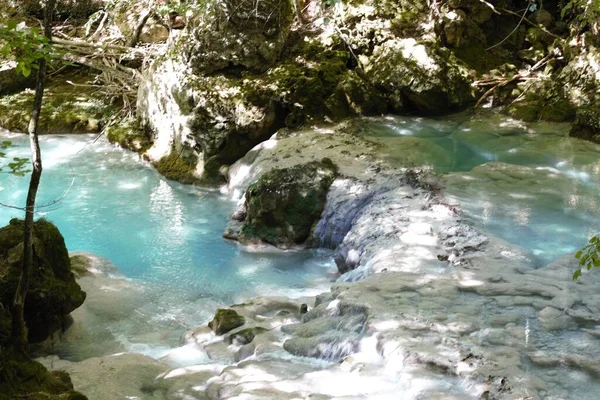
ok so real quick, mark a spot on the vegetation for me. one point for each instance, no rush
(589, 256)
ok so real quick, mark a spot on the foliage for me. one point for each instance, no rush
(27, 45)
(17, 166)
(585, 12)
(588, 256)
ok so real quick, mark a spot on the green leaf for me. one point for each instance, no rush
(26, 70)
(578, 254)
(576, 274)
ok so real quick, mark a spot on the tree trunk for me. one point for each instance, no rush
(19, 330)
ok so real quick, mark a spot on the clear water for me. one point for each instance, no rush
(156, 232)
(529, 184)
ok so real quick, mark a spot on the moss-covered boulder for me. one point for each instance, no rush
(587, 124)
(53, 292)
(234, 34)
(66, 109)
(23, 378)
(225, 320)
(284, 204)
(177, 167)
(129, 135)
(419, 77)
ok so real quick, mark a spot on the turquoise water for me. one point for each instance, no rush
(154, 231)
(529, 184)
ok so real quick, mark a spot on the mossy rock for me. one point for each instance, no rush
(587, 124)
(234, 35)
(65, 109)
(23, 378)
(80, 266)
(53, 292)
(175, 167)
(246, 335)
(225, 320)
(284, 204)
(129, 135)
(420, 77)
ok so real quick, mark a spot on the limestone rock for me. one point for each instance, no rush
(117, 376)
(53, 291)
(66, 109)
(284, 204)
(587, 124)
(233, 34)
(420, 77)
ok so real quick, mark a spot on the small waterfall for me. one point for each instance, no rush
(346, 199)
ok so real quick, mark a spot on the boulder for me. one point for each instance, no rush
(284, 204)
(225, 320)
(587, 124)
(66, 109)
(420, 77)
(53, 292)
(237, 34)
(22, 377)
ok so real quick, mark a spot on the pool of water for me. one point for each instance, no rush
(529, 184)
(156, 232)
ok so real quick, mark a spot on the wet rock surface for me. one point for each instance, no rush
(282, 207)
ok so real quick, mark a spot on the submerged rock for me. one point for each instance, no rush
(282, 207)
(53, 292)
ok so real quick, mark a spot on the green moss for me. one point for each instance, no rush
(66, 109)
(559, 110)
(174, 167)
(309, 80)
(524, 111)
(225, 320)
(129, 135)
(53, 292)
(473, 55)
(80, 265)
(283, 205)
(21, 377)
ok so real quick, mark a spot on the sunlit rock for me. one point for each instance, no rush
(225, 320)
(282, 207)
(419, 77)
(111, 377)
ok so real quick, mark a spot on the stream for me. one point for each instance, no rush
(531, 185)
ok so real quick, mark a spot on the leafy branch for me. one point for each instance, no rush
(28, 45)
(17, 166)
(588, 256)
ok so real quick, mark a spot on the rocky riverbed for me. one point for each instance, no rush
(426, 305)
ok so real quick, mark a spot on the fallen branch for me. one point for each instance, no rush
(501, 82)
(531, 23)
